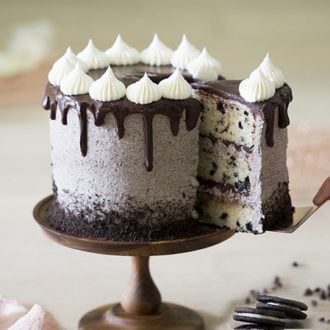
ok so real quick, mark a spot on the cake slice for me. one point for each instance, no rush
(242, 163)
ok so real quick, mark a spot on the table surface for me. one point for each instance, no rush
(69, 283)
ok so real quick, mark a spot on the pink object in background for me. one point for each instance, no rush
(10, 312)
(14, 316)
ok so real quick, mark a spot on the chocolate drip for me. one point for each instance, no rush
(119, 118)
(240, 188)
(53, 107)
(83, 128)
(65, 115)
(228, 89)
(120, 109)
(192, 117)
(283, 117)
(148, 141)
(46, 102)
(269, 116)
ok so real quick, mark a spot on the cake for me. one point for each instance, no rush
(130, 137)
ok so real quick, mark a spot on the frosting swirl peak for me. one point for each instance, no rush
(122, 54)
(143, 91)
(184, 54)
(60, 69)
(107, 88)
(175, 87)
(76, 82)
(71, 56)
(257, 87)
(92, 57)
(204, 67)
(272, 72)
(156, 53)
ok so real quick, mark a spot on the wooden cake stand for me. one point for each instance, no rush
(141, 307)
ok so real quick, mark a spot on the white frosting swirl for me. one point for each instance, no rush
(71, 56)
(272, 72)
(122, 54)
(143, 91)
(204, 67)
(76, 82)
(93, 57)
(184, 54)
(107, 88)
(156, 53)
(175, 87)
(257, 87)
(62, 67)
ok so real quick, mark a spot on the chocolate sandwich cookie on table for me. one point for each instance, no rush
(258, 327)
(292, 308)
(260, 316)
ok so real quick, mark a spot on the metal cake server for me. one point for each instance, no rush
(300, 215)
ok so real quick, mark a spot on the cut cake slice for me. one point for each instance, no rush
(242, 169)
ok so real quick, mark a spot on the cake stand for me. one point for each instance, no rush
(141, 307)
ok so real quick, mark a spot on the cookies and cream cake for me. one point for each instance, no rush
(128, 143)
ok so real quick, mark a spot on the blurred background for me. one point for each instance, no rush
(238, 33)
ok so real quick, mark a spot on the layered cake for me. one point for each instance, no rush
(133, 135)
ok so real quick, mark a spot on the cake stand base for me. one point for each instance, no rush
(168, 316)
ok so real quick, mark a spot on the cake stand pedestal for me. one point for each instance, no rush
(141, 307)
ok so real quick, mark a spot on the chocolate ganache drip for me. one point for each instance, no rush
(54, 99)
(228, 89)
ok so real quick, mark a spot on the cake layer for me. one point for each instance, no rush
(232, 122)
(225, 166)
(273, 213)
(234, 215)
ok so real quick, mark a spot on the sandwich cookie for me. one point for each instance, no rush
(259, 316)
(293, 309)
(259, 327)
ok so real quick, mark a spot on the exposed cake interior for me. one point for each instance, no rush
(242, 161)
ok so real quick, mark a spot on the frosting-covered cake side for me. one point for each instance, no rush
(124, 158)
